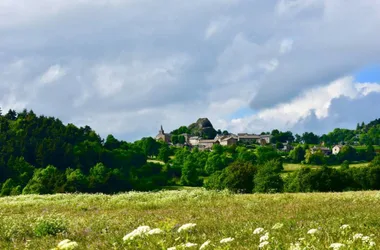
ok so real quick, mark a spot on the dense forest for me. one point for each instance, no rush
(41, 155)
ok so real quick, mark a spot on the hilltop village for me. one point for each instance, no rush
(203, 136)
(222, 139)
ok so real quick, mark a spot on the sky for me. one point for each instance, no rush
(124, 67)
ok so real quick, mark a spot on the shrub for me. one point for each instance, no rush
(49, 226)
(268, 179)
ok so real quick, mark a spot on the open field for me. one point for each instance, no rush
(101, 221)
(289, 167)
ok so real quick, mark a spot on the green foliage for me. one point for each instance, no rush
(164, 153)
(45, 181)
(310, 138)
(237, 177)
(41, 155)
(317, 158)
(281, 137)
(297, 155)
(268, 179)
(45, 226)
(265, 154)
(181, 130)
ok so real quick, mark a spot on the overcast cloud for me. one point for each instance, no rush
(127, 66)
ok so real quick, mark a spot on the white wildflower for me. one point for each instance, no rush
(295, 246)
(204, 245)
(265, 237)
(301, 239)
(258, 230)
(62, 243)
(344, 227)
(189, 244)
(263, 244)
(336, 246)
(366, 239)
(155, 231)
(312, 231)
(226, 240)
(138, 232)
(67, 245)
(172, 248)
(372, 244)
(277, 226)
(186, 227)
(358, 236)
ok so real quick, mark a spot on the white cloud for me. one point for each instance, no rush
(270, 66)
(149, 62)
(216, 26)
(286, 46)
(54, 73)
(314, 103)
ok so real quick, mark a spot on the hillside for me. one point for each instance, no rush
(99, 222)
(41, 155)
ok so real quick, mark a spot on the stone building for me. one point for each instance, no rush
(252, 138)
(162, 136)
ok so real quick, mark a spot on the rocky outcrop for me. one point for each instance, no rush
(203, 128)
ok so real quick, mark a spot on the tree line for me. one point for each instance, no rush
(41, 155)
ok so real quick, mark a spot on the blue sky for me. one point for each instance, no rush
(369, 73)
(125, 67)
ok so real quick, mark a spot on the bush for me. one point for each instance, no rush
(237, 177)
(49, 226)
(268, 179)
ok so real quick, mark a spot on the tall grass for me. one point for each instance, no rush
(101, 221)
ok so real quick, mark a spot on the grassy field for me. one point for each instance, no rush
(289, 167)
(101, 221)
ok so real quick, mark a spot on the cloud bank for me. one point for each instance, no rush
(127, 66)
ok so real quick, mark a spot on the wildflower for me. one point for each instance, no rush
(366, 239)
(277, 226)
(336, 246)
(204, 245)
(172, 248)
(301, 239)
(258, 230)
(62, 243)
(295, 246)
(345, 226)
(263, 244)
(226, 240)
(186, 227)
(372, 244)
(189, 244)
(138, 232)
(265, 237)
(66, 245)
(155, 231)
(358, 236)
(312, 231)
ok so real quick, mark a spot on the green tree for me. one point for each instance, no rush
(238, 177)
(45, 181)
(164, 153)
(297, 154)
(190, 173)
(76, 181)
(268, 179)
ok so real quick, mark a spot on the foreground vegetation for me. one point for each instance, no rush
(102, 221)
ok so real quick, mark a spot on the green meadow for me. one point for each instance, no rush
(223, 220)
